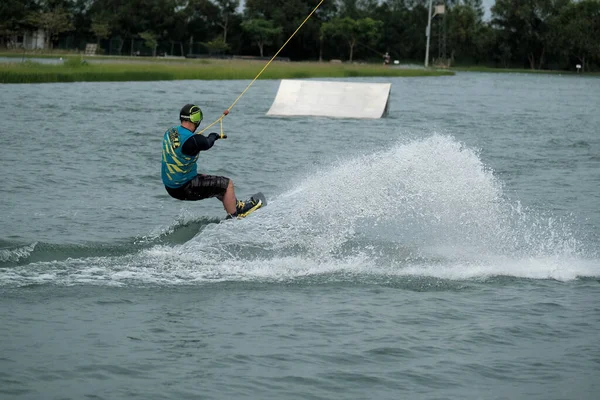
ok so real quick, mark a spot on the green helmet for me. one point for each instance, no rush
(192, 113)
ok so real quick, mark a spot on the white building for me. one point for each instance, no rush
(35, 40)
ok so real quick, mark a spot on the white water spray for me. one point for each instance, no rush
(429, 207)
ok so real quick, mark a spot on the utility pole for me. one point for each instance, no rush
(428, 34)
(441, 9)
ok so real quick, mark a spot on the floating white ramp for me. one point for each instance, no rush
(331, 99)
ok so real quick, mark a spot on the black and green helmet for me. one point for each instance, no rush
(192, 113)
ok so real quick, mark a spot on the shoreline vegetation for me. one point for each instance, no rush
(520, 71)
(119, 69)
(74, 68)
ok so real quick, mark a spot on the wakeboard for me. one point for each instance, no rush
(262, 203)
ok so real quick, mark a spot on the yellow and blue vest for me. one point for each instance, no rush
(177, 168)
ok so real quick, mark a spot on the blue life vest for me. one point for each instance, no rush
(177, 168)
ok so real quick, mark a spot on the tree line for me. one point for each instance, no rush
(536, 34)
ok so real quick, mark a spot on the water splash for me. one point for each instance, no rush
(429, 207)
(17, 253)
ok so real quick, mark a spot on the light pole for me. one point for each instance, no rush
(441, 9)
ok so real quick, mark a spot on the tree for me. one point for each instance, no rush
(465, 27)
(53, 23)
(352, 31)
(150, 40)
(117, 14)
(349, 8)
(262, 32)
(202, 17)
(217, 46)
(13, 18)
(289, 14)
(525, 26)
(403, 27)
(101, 30)
(577, 29)
(178, 30)
(227, 9)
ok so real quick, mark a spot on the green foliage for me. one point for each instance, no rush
(525, 33)
(262, 32)
(28, 64)
(101, 29)
(74, 62)
(526, 26)
(150, 41)
(39, 73)
(14, 17)
(227, 10)
(217, 46)
(53, 22)
(352, 31)
(576, 31)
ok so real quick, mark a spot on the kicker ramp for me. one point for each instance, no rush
(331, 99)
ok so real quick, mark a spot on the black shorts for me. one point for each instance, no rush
(201, 187)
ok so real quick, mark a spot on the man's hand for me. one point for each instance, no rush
(215, 135)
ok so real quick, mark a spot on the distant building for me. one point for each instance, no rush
(35, 40)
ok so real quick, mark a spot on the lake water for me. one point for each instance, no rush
(450, 250)
(57, 60)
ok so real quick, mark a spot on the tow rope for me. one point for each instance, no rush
(226, 112)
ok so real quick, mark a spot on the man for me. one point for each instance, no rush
(386, 58)
(180, 151)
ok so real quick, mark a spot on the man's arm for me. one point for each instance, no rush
(198, 143)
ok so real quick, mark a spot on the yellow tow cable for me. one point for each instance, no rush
(260, 73)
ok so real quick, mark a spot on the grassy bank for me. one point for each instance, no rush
(520, 71)
(124, 70)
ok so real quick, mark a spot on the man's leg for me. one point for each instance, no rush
(234, 207)
(229, 199)
(205, 186)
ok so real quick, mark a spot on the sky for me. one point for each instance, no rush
(487, 4)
